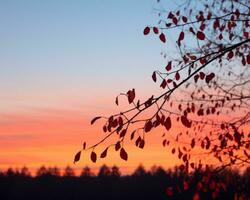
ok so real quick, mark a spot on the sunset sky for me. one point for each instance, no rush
(63, 63)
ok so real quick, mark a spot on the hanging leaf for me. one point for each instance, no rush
(132, 135)
(168, 123)
(181, 36)
(230, 55)
(131, 95)
(84, 146)
(154, 76)
(116, 101)
(175, 21)
(246, 34)
(155, 29)
(177, 76)
(123, 133)
(196, 77)
(117, 146)
(94, 120)
(123, 154)
(193, 143)
(104, 153)
(163, 84)
(93, 156)
(184, 158)
(200, 35)
(209, 77)
(169, 66)
(162, 37)
(202, 75)
(146, 30)
(185, 121)
(148, 126)
(184, 19)
(164, 142)
(138, 140)
(77, 157)
(248, 59)
(141, 144)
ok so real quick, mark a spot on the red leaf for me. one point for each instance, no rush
(116, 101)
(148, 126)
(155, 29)
(168, 123)
(154, 76)
(202, 75)
(174, 19)
(191, 30)
(193, 143)
(137, 142)
(162, 37)
(173, 150)
(170, 15)
(123, 154)
(192, 165)
(196, 196)
(141, 144)
(131, 95)
(248, 59)
(169, 66)
(77, 157)
(163, 84)
(104, 153)
(184, 158)
(84, 145)
(181, 36)
(117, 146)
(93, 120)
(200, 35)
(104, 128)
(177, 76)
(123, 133)
(230, 55)
(246, 34)
(185, 121)
(146, 30)
(132, 135)
(164, 142)
(196, 77)
(93, 156)
(184, 19)
(210, 77)
(169, 191)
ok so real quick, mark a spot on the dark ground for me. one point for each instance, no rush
(143, 185)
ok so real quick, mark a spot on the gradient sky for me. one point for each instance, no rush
(62, 63)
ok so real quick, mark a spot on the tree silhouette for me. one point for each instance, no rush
(69, 172)
(25, 172)
(200, 184)
(115, 171)
(86, 172)
(104, 171)
(50, 171)
(140, 171)
(42, 171)
(205, 87)
(157, 171)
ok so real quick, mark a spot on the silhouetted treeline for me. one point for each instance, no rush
(157, 183)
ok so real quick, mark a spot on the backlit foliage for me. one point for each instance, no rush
(205, 87)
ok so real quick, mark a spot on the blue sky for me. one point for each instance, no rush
(62, 48)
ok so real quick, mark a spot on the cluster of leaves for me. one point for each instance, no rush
(211, 78)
